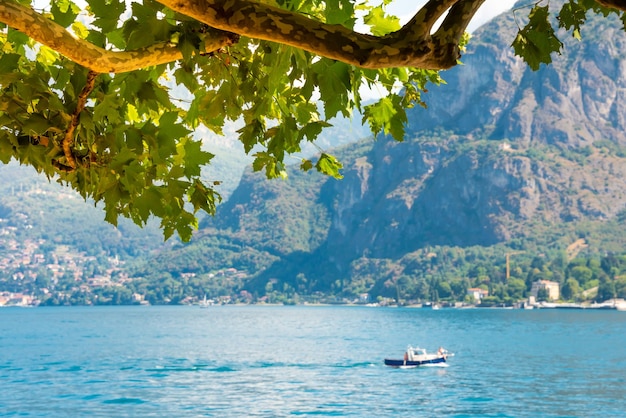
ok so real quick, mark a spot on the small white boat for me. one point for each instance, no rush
(206, 303)
(416, 356)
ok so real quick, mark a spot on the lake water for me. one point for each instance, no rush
(243, 361)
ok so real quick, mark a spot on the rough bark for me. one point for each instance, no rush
(68, 140)
(413, 45)
(614, 4)
(88, 55)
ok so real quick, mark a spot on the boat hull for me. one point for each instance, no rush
(413, 363)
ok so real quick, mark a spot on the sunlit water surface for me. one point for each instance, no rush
(242, 361)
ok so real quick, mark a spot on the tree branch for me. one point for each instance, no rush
(613, 4)
(457, 20)
(68, 140)
(422, 23)
(454, 25)
(88, 55)
(410, 46)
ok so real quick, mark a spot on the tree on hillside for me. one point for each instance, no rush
(103, 95)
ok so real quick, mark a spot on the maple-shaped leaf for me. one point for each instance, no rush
(387, 115)
(64, 12)
(333, 80)
(537, 40)
(107, 13)
(202, 197)
(195, 158)
(329, 165)
(572, 15)
(381, 23)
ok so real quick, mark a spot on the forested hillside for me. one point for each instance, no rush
(505, 163)
(504, 160)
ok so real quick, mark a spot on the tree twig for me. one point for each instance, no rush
(68, 139)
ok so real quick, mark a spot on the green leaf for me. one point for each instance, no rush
(143, 203)
(185, 223)
(537, 40)
(251, 134)
(111, 215)
(108, 109)
(80, 30)
(140, 37)
(6, 147)
(17, 38)
(185, 76)
(117, 38)
(122, 159)
(596, 7)
(46, 55)
(305, 112)
(329, 165)
(306, 165)
(312, 130)
(188, 48)
(64, 12)
(572, 15)
(36, 124)
(107, 13)
(339, 13)
(387, 115)
(380, 23)
(334, 84)
(169, 133)
(203, 198)
(9, 63)
(273, 168)
(195, 158)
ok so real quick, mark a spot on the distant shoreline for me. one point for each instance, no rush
(617, 305)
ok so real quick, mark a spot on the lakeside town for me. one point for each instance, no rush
(36, 272)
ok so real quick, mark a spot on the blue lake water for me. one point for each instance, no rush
(243, 361)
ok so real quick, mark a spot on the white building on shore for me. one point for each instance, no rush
(552, 289)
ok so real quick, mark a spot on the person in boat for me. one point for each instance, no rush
(441, 352)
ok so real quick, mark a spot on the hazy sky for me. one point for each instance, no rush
(405, 9)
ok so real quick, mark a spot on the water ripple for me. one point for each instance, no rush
(299, 361)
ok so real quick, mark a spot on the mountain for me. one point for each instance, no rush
(505, 162)
(231, 160)
(34, 209)
(576, 100)
(504, 157)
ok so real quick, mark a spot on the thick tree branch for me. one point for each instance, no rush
(454, 25)
(90, 56)
(411, 46)
(457, 20)
(422, 23)
(613, 4)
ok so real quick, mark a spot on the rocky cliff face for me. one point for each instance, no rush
(500, 149)
(404, 196)
(578, 99)
(520, 147)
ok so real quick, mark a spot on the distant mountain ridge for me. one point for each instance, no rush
(503, 158)
(576, 100)
(500, 152)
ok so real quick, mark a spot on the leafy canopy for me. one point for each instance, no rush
(104, 96)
